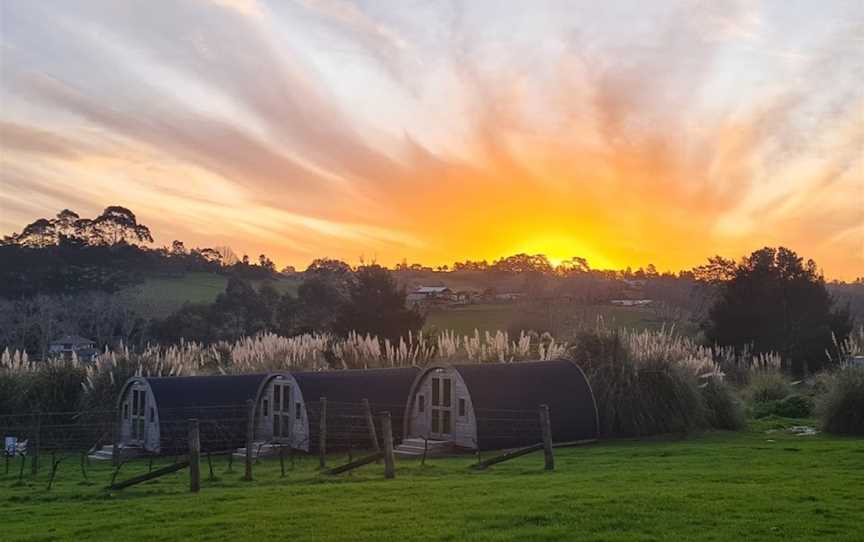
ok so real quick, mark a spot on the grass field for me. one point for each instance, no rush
(719, 486)
(161, 296)
(492, 317)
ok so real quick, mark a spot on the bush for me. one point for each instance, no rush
(766, 386)
(723, 409)
(792, 406)
(841, 408)
(638, 397)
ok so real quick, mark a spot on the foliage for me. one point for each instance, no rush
(767, 386)
(776, 302)
(792, 406)
(376, 306)
(723, 408)
(640, 388)
(841, 408)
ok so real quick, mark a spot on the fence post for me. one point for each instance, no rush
(116, 432)
(322, 435)
(546, 428)
(34, 462)
(194, 456)
(387, 429)
(250, 436)
(370, 422)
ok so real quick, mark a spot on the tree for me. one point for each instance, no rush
(315, 309)
(776, 302)
(377, 307)
(118, 225)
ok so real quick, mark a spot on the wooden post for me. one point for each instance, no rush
(370, 423)
(322, 435)
(34, 462)
(250, 436)
(282, 460)
(194, 457)
(116, 433)
(84, 465)
(387, 429)
(210, 466)
(546, 428)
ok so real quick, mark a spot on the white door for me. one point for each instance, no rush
(442, 409)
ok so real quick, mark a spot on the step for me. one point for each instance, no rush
(420, 443)
(106, 453)
(259, 449)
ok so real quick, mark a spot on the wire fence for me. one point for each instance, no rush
(44, 439)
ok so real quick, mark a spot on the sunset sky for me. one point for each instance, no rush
(623, 132)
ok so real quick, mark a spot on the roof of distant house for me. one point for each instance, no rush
(432, 290)
(75, 340)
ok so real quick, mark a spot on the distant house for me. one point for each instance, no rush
(509, 296)
(430, 294)
(84, 349)
(631, 302)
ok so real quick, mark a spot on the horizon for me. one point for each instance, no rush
(436, 134)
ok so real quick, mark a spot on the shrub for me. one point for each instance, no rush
(767, 386)
(792, 406)
(638, 395)
(795, 406)
(723, 408)
(841, 408)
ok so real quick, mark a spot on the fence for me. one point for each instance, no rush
(365, 433)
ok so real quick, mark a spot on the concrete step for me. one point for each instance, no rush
(106, 453)
(259, 449)
(414, 448)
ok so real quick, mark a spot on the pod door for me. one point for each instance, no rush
(441, 407)
(282, 412)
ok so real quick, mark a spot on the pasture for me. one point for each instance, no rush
(494, 316)
(760, 484)
(160, 296)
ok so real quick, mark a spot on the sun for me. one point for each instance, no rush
(560, 247)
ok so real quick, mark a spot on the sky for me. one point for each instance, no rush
(627, 133)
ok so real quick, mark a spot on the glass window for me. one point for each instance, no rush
(152, 414)
(266, 408)
(461, 407)
(297, 410)
(125, 411)
(445, 422)
(446, 399)
(421, 403)
(286, 398)
(277, 398)
(436, 389)
(436, 420)
(134, 402)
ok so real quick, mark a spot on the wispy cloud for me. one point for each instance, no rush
(624, 136)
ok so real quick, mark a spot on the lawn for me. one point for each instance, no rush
(492, 317)
(719, 486)
(160, 296)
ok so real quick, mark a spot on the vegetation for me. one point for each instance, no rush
(754, 485)
(774, 302)
(651, 383)
(841, 408)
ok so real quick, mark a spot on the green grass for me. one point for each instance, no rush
(160, 296)
(754, 485)
(564, 318)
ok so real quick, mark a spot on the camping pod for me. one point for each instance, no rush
(289, 406)
(496, 405)
(155, 412)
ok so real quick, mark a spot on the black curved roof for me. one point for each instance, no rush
(505, 391)
(180, 395)
(384, 388)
